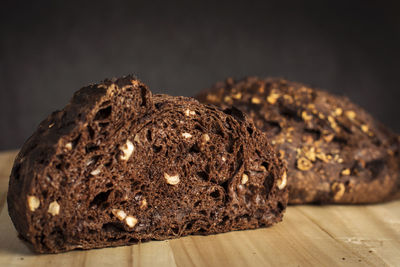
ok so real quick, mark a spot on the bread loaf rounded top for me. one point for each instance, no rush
(336, 152)
(119, 165)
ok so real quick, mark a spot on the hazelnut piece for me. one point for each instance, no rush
(127, 150)
(186, 135)
(95, 172)
(205, 138)
(338, 190)
(172, 179)
(143, 203)
(281, 183)
(54, 208)
(245, 178)
(281, 154)
(33, 203)
(131, 221)
(136, 138)
(120, 214)
(189, 112)
(68, 146)
(255, 100)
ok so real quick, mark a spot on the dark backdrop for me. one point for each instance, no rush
(49, 49)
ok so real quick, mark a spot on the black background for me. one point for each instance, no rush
(49, 49)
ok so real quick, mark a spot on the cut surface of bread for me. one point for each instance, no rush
(335, 151)
(119, 165)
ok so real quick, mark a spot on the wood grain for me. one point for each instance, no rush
(309, 236)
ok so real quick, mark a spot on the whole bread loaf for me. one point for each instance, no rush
(118, 166)
(335, 151)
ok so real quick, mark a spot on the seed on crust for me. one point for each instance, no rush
(328, 138)
(304, 164)
(237, 96)
(272, 98)
(365, 128)
(350, 114)
(306, 116)
(228, 100)
(346, 172)
(338, 111)
(212, 98)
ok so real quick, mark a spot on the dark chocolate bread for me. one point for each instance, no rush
(118, 165)
(335, 151)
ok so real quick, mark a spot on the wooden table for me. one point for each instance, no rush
(308, 236)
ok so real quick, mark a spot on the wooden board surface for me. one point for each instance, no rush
(308, 236)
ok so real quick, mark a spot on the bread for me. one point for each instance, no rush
(335, 151)
(119, 165)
